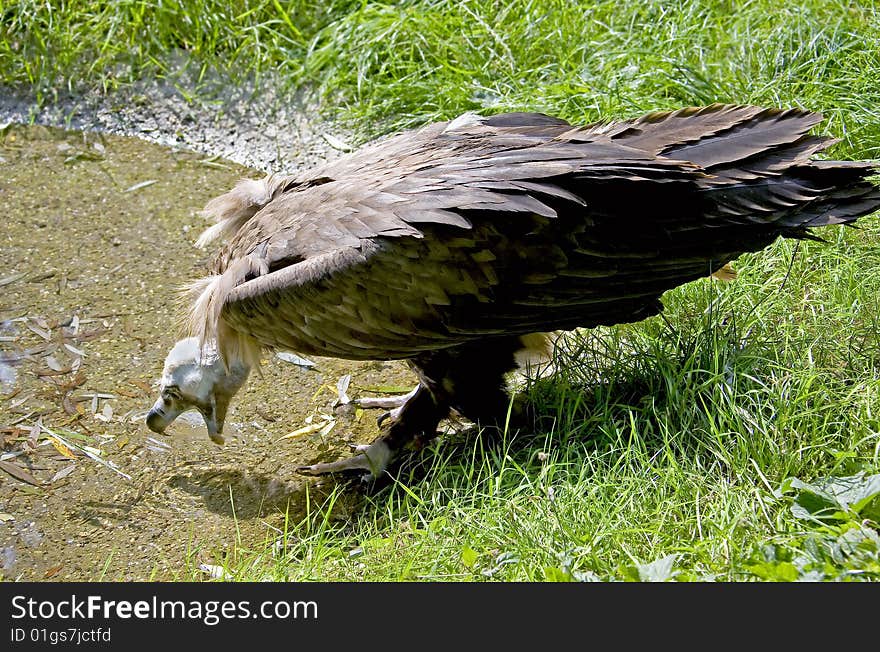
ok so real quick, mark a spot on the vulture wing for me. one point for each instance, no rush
(518, 223)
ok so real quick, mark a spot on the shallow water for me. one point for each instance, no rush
(97, 237)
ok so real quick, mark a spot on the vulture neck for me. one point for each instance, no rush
(205, 320)
(237, 349)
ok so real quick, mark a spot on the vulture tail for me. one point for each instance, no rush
(759, 166)
(846, 194)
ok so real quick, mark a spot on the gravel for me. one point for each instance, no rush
(256, 126)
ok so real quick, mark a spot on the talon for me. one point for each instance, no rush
(390, 414)
(382, 418)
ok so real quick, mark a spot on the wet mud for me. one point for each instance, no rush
(97, 237)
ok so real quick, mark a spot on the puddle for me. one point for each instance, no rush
(97, 236)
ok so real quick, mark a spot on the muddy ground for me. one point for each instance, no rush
(97, 236)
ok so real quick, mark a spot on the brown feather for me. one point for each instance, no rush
(520, 223)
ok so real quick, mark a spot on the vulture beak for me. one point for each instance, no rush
(160, 415)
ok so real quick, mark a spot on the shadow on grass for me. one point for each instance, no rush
(658, 395)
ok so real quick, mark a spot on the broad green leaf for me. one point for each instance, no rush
(468, 557)
(556, 574)
(783, 571)
(833, 498)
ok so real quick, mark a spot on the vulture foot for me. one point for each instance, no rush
(373, 458)
(414, 423)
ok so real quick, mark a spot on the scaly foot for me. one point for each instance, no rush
(373, 458)
(414, 424)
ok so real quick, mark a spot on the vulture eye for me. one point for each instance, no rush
(172, 393)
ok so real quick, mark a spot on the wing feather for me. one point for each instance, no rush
(518, 223)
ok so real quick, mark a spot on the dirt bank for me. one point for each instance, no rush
(257, 125)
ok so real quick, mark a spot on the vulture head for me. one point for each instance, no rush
(196, 377)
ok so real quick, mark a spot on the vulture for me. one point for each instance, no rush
(455, 246)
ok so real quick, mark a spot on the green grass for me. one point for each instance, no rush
(381, 66)
(688, 446)
(671, 449)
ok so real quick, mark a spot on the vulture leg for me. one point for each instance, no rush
(467, 378)
(470, 379)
